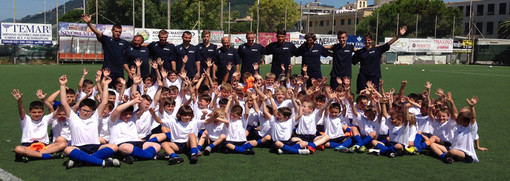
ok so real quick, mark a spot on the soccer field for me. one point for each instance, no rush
(491, 85)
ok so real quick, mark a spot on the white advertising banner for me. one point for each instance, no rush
(174, 36)
(25, 33)
(421, 45)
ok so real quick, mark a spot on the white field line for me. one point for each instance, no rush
(467, 73)
(4, 175)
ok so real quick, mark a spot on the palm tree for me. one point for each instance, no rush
(504, 30)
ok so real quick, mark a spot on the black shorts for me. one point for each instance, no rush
(307, 138)
(467, 159)
(138, 144)
(235, 143)
(182, 147)
(253, 134)
(156, 130)
(381, 137)
(29, 144)
(427, 134)
(91, 148)
(338, 140)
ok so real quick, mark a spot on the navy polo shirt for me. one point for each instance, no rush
(112, 51)
(370, 60)
(249, 55)
(312, 58)
(166, 52)
(205, 53)
(281, 55)
(342, 60)
(222, 58)
(133, 53)
(193, 57)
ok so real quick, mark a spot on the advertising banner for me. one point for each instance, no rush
(82, 30)
(25, 33)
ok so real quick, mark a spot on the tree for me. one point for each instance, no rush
(121, 12)
(272, 14)
(407, 10)
(504, 30)
(71, 16)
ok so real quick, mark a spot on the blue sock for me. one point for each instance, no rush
(334, 144)
(348, 129)
(172, 155)
(347, 143)
(139, 153)
(212, 146)
(312, 144)
(239, 149)
(358, 140)
(46, 156)
(289, 149)
(155, 140)
(259, 142)
(194, 150)
(103, 153)
(199, 147)
(417, 141)
(168, 135)
(367, 140)
(380, 146)
(78, 155)
(151, 150)
(388, 150)
(443, 156)
(296, 146)
(247, 146)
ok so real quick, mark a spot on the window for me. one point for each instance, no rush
(467, 10)
(334, 23)
(466, 28)
(502, 8)
(490, 28)
(327, 23)
(342, 22)
(316, 23)
(310, 24)
(478, 28)
(357, 20)
(490, 9)
(349, 21)
(479, 10)
(321, 23)
(461, 8)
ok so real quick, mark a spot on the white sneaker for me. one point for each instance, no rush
(338, 148)
(304, 151)
(373, 151)
(392, 155)
(280, 151)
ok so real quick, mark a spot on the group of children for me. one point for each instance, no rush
(167, 111)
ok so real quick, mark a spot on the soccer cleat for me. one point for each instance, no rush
(412, 150)
(374, 151)
(193, 159)
(207, 151)
(71, 164)
(111, 163)
(338, 148)
(199, 153)
(449, 160)
(280, 151)
(312, 149)
(128, 160)
(362, 149)
(304, 151)
(354, 148)
(320, 147)
(345, 150)
(249, 152)
(25, 159)
(175, 160)
(58, 155)
(161, 156)
(392, 155)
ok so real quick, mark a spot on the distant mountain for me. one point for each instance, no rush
(50, 14)
(8, 20)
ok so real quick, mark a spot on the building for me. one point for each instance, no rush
(321, 19)
(486, 14)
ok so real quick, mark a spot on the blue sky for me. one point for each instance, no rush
(28, 7)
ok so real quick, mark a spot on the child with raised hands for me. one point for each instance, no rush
(215, 131)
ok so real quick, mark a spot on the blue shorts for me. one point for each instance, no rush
(91, 148)
(138, 144)
(307, 138)
(340, 139)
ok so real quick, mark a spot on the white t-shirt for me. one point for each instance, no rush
(236, 130)
(123, 131)
(35, 130)
(397, 134)
(382, 128)
(253, 117)
(143, 124)
(463, 140)
(104, 128)
(151, 91)
(366, 126)
(215, 130)
(444, 131)
(290, 86)
(415, 111)
(307, 124)
(176, 83)
(281, 131)
(424, 124)
(82, 94)
(265, 125)
(333, 126)
(198, 113)
(84, 131)
(180, 130)
(61, 129)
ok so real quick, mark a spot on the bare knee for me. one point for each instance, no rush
(20, 149)
(69, 149)
(126, 148)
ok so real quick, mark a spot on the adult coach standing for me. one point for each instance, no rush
(225, 56)
(113, 47)
(250, 53)
(206, 49)
(186, 49)
(162, 49)
(370, 61)
(281, 51)
(342, 59)
(311, 53)
(137, 52)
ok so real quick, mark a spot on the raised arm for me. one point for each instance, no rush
(453, 109)
(18, 97)
(401, 33)
(116, 113)
(87, 19)
(104, 97)
(63, 81)
(42, 97)
(472, 104)
(82, 79)
(402, 88)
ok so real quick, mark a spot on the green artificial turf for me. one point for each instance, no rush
(491, 85)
